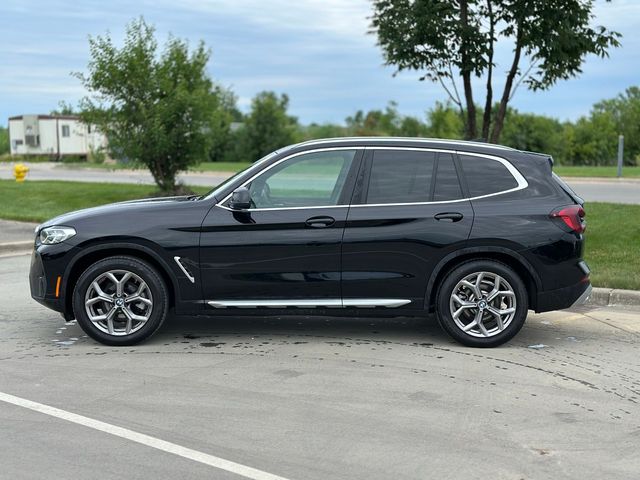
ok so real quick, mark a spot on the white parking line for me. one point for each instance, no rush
(143, 439)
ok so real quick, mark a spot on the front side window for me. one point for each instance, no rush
(486, 176)
(400, 176)
(308, 180)
(65, 130)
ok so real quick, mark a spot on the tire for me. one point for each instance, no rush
(489, 321)
(116, 320)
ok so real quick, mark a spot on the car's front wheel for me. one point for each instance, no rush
(120, 300)
(482, 303)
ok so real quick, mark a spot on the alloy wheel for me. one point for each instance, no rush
(118, 302)
(483, 304)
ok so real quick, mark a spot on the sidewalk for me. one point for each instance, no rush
(11, 231)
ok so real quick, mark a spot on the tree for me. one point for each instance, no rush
(64, 108)
(445, 39)
(4, 140)
(444, 122)
(223, 117)
(624, 113)
(159, 108)
(267, 126)
(535, 133)
(384, 122)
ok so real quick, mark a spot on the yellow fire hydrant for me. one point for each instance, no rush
(20, 172)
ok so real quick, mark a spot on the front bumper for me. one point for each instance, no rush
(48, 263)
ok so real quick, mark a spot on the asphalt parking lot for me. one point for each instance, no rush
(318, 398)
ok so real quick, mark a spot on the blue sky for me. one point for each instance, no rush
(317, 51)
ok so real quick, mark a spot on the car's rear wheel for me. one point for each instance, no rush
(120, 300)
(482, 303)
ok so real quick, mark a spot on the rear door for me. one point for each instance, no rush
(409, 211)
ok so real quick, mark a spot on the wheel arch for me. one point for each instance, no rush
(507, 256)
(98, 252)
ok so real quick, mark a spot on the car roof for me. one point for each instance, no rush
(437, 143)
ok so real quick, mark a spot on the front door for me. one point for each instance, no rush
(409, 213)
(285, 250)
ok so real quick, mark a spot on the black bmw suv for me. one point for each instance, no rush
(477, 233)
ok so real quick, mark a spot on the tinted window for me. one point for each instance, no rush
(485, 176)
(312, 179)
(447, 183)
(400, 176)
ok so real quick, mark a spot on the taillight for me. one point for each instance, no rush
(572, 217)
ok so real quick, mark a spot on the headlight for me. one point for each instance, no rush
(53, 235)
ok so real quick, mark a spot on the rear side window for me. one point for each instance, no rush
(485, 176)
(400, 176)
(447, 185)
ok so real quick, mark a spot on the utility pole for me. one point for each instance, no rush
(620, 151)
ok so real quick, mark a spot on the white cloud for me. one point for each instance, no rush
(345, 19)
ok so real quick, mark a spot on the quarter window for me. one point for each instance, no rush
(312, 179)
(485, 176)
(399, 176)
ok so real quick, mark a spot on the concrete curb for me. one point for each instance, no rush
(613, 180)
(611, 297)
(11, 247)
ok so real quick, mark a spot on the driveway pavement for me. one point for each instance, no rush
(592, 190)
(317, 398)
(57, 171)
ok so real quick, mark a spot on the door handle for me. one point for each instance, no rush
(320, 222)
(449, 216)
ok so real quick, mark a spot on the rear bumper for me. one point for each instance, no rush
(562, 298)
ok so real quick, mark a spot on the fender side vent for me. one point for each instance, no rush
(184, 269)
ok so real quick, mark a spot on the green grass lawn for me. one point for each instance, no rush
(36, 201)
(565, 171)
(200, 167)
(612, 245)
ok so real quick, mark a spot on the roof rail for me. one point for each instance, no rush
(409, 139)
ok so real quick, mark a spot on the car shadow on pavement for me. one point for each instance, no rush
(396, 330)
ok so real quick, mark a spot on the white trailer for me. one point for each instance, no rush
(55, 136)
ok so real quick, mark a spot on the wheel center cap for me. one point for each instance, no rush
(482, 304)
(119, 302)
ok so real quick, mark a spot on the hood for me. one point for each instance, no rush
(70, 218)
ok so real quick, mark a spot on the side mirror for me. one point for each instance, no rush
(240, 199)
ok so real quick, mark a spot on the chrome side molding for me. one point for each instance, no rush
(329, 303)
(184, 270)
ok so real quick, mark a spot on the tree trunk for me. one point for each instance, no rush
(471, 129)
(488, 104)
(502, 110)
(166, 181)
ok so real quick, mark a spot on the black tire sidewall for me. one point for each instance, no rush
(451, 280)
(144, 271)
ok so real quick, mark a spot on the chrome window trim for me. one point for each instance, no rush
(306, 303)
(521, 181)
(281, 208)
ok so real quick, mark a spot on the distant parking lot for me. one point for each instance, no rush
(320, 398)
